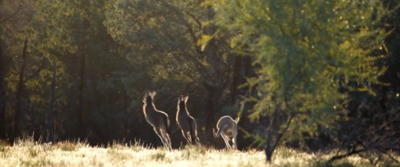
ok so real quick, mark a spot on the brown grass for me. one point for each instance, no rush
(30, 153)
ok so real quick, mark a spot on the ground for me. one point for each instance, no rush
(30, 153)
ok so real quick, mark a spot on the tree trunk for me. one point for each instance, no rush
(210, 121)
(241, 70)
(269, 149)
(81, 128)
(275, 130)
(2, 94)
(19, 92)
(271, 141)
(214, 94)
(236, 80)
(268, 154)
(50, 111)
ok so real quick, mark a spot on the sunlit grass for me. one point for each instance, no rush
(30, 153)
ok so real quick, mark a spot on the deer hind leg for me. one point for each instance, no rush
(160, 135)
(166, 138)
(169, 142)
(189, 137)
(226, 140)
(194, 133)
(234, 142)
(186, 136)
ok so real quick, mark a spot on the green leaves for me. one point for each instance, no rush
(303, 50)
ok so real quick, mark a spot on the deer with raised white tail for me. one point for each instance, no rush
(227, 129)
(186, 122)
(157, 119)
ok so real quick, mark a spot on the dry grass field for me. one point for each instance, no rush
(30, 153)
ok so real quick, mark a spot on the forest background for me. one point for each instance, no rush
(310, 75)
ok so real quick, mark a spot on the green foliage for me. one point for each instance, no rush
(304, 54)
(67, 31)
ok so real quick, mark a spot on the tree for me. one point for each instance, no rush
(371, 127)
(304, 54)
(2, 93)
(50, 111)
(89, 99)
(15, 17)
(19, 93)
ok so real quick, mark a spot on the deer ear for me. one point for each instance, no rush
(185, 98)
(152, 93)
(144, 98)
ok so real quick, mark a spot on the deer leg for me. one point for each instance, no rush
(196, 138)
(160, 135)
(234, 142)
(169, 141)
(184, 134)
(166, 138)
(189, 137)
(226, 140)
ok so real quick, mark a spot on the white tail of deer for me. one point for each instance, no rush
(157, 119)
(227, 129)
(186, 122)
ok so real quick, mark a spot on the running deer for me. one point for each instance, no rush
(227, 129)
(186, 122)
(157, 119)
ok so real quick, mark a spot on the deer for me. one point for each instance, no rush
(157, 119)
(227, 129)
(186, 122)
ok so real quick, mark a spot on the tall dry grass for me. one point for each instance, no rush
(30, 153)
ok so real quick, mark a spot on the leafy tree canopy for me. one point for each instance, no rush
(305, 53)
